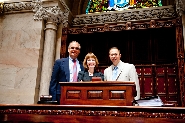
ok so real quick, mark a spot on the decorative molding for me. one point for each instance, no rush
(123, 26)
(154, 13)
(65, 6)
(51, 13)
(96, 113)
(18, 7)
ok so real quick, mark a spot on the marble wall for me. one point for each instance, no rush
(21, 45)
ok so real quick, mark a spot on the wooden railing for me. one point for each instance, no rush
(90, 113)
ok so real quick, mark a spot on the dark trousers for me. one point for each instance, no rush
(58, 98)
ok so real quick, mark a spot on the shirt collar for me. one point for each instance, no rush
(118, 65)
(72, 59)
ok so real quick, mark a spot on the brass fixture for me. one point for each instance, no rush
(1, 7)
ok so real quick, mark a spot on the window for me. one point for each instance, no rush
(119, 5)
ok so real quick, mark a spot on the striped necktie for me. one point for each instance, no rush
(114, 73)
(74, 71)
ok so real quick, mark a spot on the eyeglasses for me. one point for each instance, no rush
(76, 48)
(114, 54)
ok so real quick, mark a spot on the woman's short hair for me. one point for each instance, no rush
(90, 55)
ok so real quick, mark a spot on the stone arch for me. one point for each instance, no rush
(78, 6)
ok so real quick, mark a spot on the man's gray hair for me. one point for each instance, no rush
(74, 42)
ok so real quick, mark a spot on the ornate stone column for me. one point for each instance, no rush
(58, 41)
(53, 15)
(48, 57)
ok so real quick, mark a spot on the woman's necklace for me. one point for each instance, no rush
(90, 74)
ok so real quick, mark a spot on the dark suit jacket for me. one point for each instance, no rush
(60, 73)
(84, 75)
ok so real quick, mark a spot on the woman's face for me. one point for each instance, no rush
(91, 63)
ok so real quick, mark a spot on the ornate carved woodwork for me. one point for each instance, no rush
(90, 113)
(180, 58)
(123, 26)
(159, 80)
(168, 85)
(125, 16)
(149, 44)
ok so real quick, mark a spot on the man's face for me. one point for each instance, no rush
(74, 50)
(115, 56)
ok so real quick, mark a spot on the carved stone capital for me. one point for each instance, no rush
(49, 12)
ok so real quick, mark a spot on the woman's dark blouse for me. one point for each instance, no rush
(84, 75)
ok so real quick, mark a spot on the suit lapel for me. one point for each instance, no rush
(119, 73)
(81, 66)
(87, 76)
(110, 71)
(95, 74)
(121, 67)
(66, 68)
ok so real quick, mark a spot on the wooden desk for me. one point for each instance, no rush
(97, 93)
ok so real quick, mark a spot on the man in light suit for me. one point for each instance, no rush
(63, 70)
(120, 71)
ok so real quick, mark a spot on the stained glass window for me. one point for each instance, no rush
(119, 5)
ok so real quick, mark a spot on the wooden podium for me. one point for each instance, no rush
(97, 93)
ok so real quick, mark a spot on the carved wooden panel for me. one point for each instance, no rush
(73, 94)
(148, 89)
(159, 80)
(95, 94)
(161, 85)
(117, 94)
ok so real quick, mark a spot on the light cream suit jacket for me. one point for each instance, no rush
(126, 72)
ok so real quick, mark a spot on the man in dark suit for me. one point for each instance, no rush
(64, 70)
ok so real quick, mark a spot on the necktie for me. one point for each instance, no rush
(114, 73)
(74, 71)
